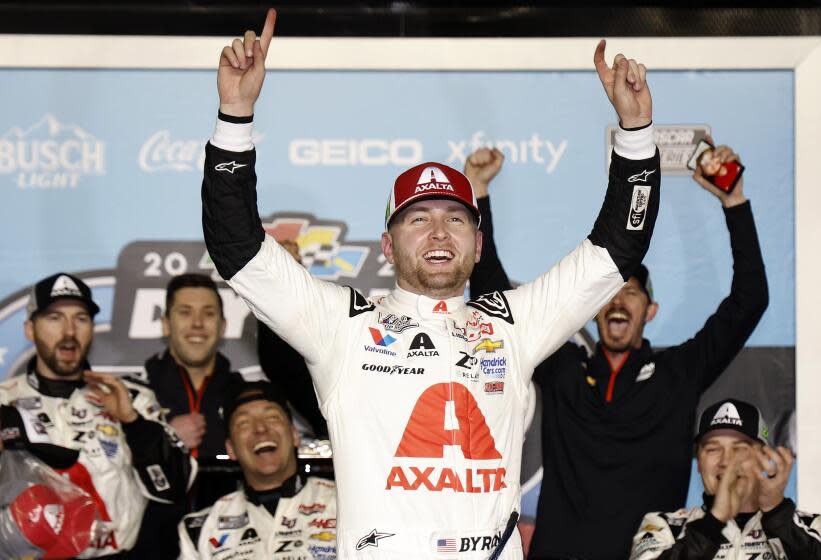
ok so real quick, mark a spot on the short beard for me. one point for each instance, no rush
(436, 285)
(49, 357)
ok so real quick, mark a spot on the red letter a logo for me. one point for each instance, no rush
(426, 435)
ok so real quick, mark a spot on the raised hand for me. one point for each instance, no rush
(773, 473)
(626, 87)
(736, 486)
(112, 394)
(242, 70)
(481, 167)
(723, 154)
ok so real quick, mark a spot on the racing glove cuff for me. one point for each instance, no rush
(233, 134)
(635, 144)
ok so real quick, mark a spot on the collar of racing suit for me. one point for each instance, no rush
(269, 499)
(61, 388)
(423, 306)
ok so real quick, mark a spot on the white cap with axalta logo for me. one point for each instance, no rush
(430, 180)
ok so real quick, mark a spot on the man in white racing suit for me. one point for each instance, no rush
(106, 434)
(278, 513)
(424, 393)
(745, 514)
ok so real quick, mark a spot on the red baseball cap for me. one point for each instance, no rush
(430, 180)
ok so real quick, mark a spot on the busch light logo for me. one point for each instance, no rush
(50, 155)
(163, 153)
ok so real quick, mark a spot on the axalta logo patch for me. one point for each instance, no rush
(422, 346)
(446, 414)
(727, 414)
(51, 155)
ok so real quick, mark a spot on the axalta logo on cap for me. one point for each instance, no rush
(433, 178)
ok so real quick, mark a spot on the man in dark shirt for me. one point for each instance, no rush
(190, 378)
(617, 426)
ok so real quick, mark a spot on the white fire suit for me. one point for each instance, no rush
(780, 534)
(425, 399)
(239, 525)
(119, 465)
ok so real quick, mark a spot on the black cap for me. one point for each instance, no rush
(59, 286)
(643, 276)
(736, 415)
(240, 392)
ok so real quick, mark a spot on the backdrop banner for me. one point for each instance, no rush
(100, 175)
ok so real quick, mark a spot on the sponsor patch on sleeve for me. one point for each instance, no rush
(359, 304)
(638, 207)
(158, 478)
(495, 305)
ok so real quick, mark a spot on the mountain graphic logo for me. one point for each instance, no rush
(380, 340)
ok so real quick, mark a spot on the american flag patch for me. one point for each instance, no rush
(445, 545)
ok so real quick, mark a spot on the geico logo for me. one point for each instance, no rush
(477, 481)
(470, 544)
(48, 156)
(393, 370)
(311, 151)
(433, 187)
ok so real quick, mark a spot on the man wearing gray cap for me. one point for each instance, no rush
(104, 433)
(744, 511)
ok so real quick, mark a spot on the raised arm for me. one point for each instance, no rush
(712, 349)
(302, 310)
(557, 304)
(488, 275)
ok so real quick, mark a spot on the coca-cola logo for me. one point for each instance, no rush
(161, 152)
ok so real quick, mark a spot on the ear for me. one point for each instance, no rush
(223, 326)
(387, 246)
(296, 436)
(28, 329)
(166, 329)
(479, 242)
(652, 309)
(230, 449)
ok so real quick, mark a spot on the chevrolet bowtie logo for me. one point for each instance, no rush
(229, 166)
(640, 177)
(489, 345)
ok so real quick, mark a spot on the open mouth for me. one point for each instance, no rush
(67, 351)
(195, 339)
(617, 323)
(438, 256)
(265, 447)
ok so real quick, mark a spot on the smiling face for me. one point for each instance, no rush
(62, 335)
(433, 244)
(722, 449)
(709, 162)
(263, 440)
(621, 322)
(194, 327)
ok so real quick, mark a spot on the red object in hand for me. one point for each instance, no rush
(39, 513)
(726, 177)
(80, 514)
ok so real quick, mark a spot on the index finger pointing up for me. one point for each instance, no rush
(268, 31)
(598, 58)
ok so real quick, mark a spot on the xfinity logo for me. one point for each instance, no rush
(403, 152)
(534, 150)
(50, 155)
